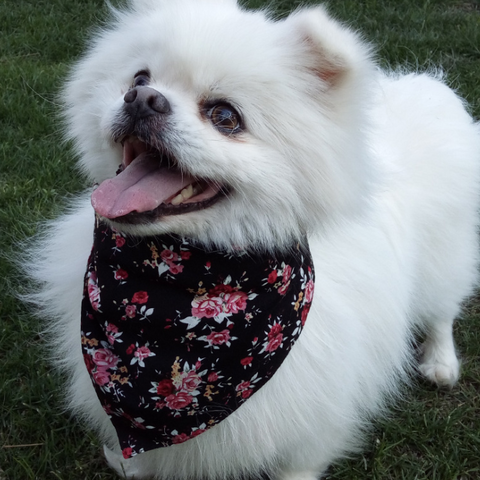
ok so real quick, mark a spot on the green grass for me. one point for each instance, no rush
(430, 435)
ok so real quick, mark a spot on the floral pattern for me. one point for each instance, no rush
(176, 338)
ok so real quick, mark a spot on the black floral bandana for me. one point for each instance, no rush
(176, 338)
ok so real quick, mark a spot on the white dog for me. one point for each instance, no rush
(268, 131)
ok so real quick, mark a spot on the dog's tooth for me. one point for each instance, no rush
(187, 192)
(177, 200)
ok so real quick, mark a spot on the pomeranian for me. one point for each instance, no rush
(273, 219)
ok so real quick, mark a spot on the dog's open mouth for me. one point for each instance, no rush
(150, 185)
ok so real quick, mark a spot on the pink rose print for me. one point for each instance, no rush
(112, 328)
(283, 289)
(190, 382)
(235, 302)
(274, 330)
(197, 432)
(174, 269)
(112, 333)
(121, 274)
(140, 297)
(93, 291)
(168, 256)
(287, 272)
(101, 377)
(185, 255)
(178, 401)
(309, 288)
(218, 338)
(142, 352)
(206, 306)
(165, 387)
(272, 277)
(104, 359)
(130, 311)
(212, 377)
(274, 343)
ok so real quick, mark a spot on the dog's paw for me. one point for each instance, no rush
(441, 367)
(120, 465)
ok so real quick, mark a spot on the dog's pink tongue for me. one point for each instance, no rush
(140, 187)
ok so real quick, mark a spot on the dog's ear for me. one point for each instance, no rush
(333, 51)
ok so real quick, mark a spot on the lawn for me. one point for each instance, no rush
(429, 435)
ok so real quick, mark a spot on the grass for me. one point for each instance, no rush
(431, 434)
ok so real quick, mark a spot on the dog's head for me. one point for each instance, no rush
(229, 126)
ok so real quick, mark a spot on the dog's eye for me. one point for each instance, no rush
(225, 118)
(141, 78)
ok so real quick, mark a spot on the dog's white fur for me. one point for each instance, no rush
(381, 171)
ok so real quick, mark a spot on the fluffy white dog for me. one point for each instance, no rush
(270, 131)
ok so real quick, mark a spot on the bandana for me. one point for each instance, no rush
(176, 337)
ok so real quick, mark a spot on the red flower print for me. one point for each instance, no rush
(272, 277)
(165, 387)
(242, 386)
(178, 401)
(305, 311)
(218, 338)
(176, 269)
(197, 432)
(101, 377)
(274, 343)
(212, 377)
(246, 361)
(127, 452)
(130, 349)
(121, 274)
(104, 358)
(235, 302)
(168, 256)
(309, 288)
(119, 241)
(182, 437)
(140, 297)
(208, 265)
(185, 255)
(217, 290)
(206, 306)
(246, 393)
(275, 330)
(131, 311)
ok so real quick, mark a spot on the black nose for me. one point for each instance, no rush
(142, 101)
